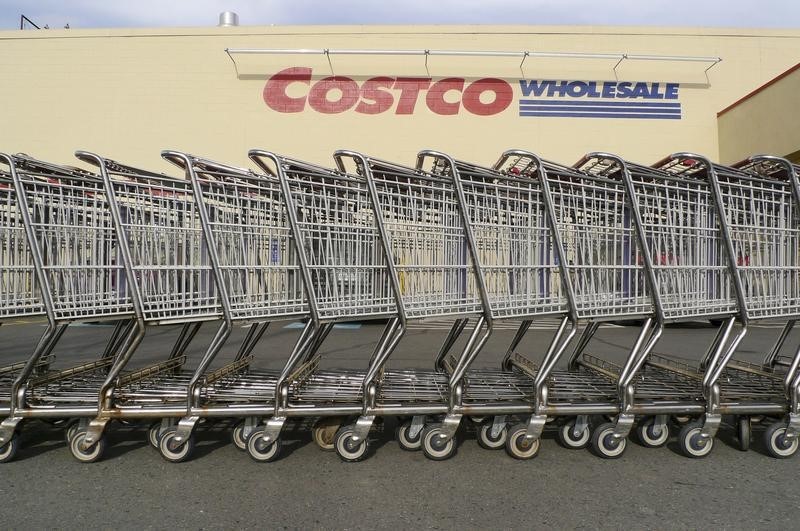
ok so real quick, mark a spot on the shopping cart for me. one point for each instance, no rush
(162, 261)
(748, 213)
(19, 297)
(172, 267)
(689, 266)
(688, 276)
(507, 222)
(69, 233)
(346, 278)
(257, 276)
(594, 245)
(763, 216)
(431, 259)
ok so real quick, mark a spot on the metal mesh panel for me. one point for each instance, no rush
(683, 234)
(600, 246)
(18, 293)
(73, 230)
(763, 219)
(427, 241)
(512, 237)
(168, 254)
(258, 262)
(341, 243)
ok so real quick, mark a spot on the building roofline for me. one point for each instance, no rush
(759, 89)
(407, 29)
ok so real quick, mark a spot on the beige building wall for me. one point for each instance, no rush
(128, 94)
(765, 121)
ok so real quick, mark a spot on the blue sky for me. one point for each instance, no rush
(154, 13)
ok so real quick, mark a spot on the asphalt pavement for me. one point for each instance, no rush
(221, 487)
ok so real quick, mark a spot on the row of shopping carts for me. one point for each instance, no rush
(604, 240)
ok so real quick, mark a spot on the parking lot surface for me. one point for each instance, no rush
(221, 487)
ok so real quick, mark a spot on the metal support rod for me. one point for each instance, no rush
(521, 331)
(470, 53)
(772, 355)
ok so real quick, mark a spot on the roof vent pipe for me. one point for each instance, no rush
(228, 19)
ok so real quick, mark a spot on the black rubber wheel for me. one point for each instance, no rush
(743, 432)
(71, 430)
(519, 446)
(9, 450)
(650, 434)
(605, 445)
(692, 443)
(56, 423)
(407, 443)
(237, 436)
(324, 432)
(681, 420)
(777, 444)
(485, 439)
(154, 434)
(90, 455)
(434, 445)
(173, 451)
(261, 451)
(567, 439)
(347, 449)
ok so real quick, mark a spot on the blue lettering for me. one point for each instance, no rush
(560, 89)
(593, 89)
(640, 91)
(534, 87)
(654, 93)
(576, 89)
(671, 91)
(624, 90)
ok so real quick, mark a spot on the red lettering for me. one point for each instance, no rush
(318, 97)
(435, 97)
(378, 100)
(503, 94)
(376, 95)
(275, 90)
(409, 92)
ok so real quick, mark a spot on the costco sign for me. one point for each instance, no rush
(292, 90)
(398, 95)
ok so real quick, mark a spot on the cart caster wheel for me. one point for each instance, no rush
(154, 434)
(743, 433)
(485, 439)
(691, 442)
(777, 444)
(477, 420)
(9, 450)
(72, 429)
(173, 451)
(347, 449)
(567, 439)
(652, 435)
(681, 420)
(261, 451)
(604, 443)
(237, 436)
(519, 446)
(324, 433)
(434, 446)
(407, 443)
(86, 456)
